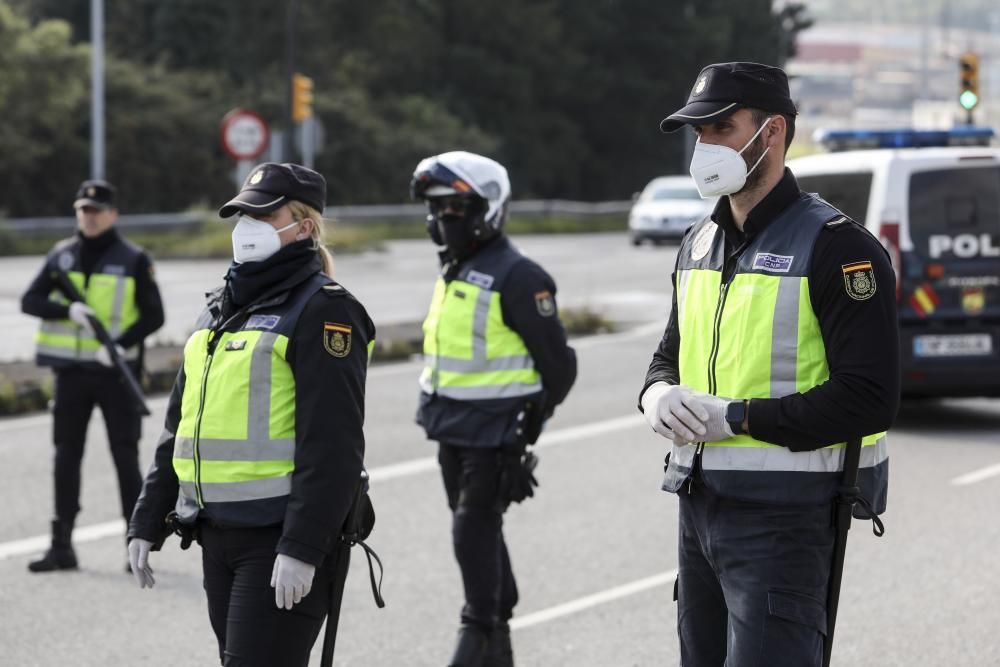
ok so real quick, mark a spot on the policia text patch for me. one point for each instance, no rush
(859, 280)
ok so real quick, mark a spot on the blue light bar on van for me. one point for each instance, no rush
(842, 140)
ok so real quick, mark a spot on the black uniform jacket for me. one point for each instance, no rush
(528, 305)
(36, 299)
(861, 336)
(329, 415)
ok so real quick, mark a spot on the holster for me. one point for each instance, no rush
(188, 532)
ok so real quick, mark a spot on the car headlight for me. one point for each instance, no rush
(642, 221)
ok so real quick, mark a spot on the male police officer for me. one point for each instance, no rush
(781, 343)
(116, 279)
(496, 366)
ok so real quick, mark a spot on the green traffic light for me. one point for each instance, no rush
(968, 100)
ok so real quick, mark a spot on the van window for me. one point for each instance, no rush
(849, 192)
(954, 202)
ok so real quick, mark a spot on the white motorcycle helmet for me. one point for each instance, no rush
(464, 174)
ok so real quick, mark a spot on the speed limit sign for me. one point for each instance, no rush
(244, 134)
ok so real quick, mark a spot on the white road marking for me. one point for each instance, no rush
(98, 531)
(977, 476)
(101, 531)
(589, 601)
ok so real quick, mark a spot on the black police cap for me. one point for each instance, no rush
(722, 89)
(270, 186)
(95, 193)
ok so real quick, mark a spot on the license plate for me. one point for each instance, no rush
(971, 345)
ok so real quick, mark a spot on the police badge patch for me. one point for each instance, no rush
(859, 280)
(545, 303)
(337, 338)
(703, 242)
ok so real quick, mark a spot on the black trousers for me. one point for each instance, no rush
(471, 477)
(251, 630)
(752, 582)
(76, 393)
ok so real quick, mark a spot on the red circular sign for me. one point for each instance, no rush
(244, 134)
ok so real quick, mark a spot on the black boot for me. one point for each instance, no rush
(500, 653)
(60, 555)
(471, 647)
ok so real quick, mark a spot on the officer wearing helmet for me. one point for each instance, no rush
(496, 365)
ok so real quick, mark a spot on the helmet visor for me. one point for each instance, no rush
(437, 181)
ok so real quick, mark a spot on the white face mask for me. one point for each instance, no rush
(254, 240)
(719, 170)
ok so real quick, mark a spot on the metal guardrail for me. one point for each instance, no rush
(389, 213)
(66, 224)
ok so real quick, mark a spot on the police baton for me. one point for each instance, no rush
(848, 495)
(357, 526)
(136, 397)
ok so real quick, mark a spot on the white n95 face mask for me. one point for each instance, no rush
(254, 240)
(720, 170)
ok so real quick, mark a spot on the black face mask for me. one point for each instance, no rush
(453, 223)
(457, 234)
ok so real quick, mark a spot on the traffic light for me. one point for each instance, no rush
(302, 97)
(968, 95)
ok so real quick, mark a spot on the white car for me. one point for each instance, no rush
(936, 208)
(664, 210)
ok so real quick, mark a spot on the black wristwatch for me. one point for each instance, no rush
(736, 413)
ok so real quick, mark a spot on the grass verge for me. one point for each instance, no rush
(212, 239)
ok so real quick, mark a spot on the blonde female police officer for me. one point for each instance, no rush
(263, 444)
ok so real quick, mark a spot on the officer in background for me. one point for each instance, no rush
(782, 341)
(263, 447)
(116, 279)
(496, 366)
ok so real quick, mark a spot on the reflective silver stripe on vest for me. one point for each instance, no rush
(510, 390)
(57, 352)
(259, 408)
(213, 449)
(131, 354)
(479, 319)
(187, 503)
(115, 325)
(682, 296)
(60, 328)
(753, 459)
(230, 492)
(785, 338)
(451, 365)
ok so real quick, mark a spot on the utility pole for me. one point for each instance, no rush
(97, 88)
(293, 11)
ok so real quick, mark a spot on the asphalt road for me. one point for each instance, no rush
(594, 552)
(600, 271)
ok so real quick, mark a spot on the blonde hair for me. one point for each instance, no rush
(301, 211)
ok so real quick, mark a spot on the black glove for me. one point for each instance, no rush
(517, 479)
(530, 421)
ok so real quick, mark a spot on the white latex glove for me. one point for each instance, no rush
(78, 312)
(673, 412)
(103, 357)
(138, 559)
(292, 580)
(716, 426)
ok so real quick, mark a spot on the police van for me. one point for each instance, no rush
(933, 198)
